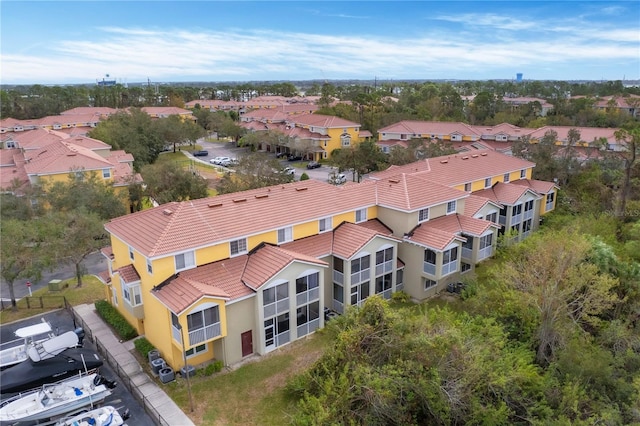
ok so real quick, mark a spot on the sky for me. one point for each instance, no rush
(80, 42)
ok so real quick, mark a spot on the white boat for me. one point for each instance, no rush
(102, 416)
(51, 347)
(56, 400)
(15, 351)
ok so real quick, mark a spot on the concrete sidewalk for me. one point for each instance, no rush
(156, 402)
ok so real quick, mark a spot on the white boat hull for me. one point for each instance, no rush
(103, 416)
(55, 400)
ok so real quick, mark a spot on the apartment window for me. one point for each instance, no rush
(467, 187)
(423, 215)
(131, 293)
(528, 205)
(203, 325)
(464, 267)
(516, 210)
(307, 288)
(399, 279)
(195, 351)
(383, 285)
(429, 262)
(345, 140)
(238, 246)
(275, 300)
(492, 217)
(451, 207)
(106, 173)
(549, 201)
(360, 269)
(285, 234)
(523, 173)
(450, 261)
(384, 261)
(114, 296)
(307, 318)
(361, 215)
(131, 256)
(487, 183)
(184, 261)
(429, 284)
(486, 241)
(338, 293)
(526, 225)
(325, 224)
(149, 266)
(506, 178)
(10, 144)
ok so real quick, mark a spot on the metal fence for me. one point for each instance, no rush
(124, 377)
(37, 302)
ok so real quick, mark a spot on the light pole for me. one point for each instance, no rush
(186, 369)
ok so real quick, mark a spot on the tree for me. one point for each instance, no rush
(254, 170)
(89, 193)
(73, 235)
(21, 252)
(629, 139)
(363, 158)
(550, 273)
(167, 181)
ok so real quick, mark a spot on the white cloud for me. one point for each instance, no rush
(181, 55)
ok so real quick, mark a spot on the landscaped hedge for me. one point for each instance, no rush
(115, 320)
(143, 346)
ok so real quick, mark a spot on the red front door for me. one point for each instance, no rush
(247, 343)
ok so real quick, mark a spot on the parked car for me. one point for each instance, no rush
(313, 165)
(219, 160)
(295, 157)
(201, 153)
(338, 179)
(281, 154)
(289, 171)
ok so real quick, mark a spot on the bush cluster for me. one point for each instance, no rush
(214, 367)
(115, 320)
(143, 346)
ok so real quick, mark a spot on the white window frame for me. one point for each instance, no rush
(506, 178)
(131, 255)
(523, 173)
(325, 224)
(188, 260)
(451, 207)
(345, 139)
(467, 187)
(149, 266)
(132, 294)
(196, 350)
(106, 173)
(423, 215)
(114, 295)
(207, 331)
(487, 183)
(241, 247)
(361, 215)
(429, 284)
(285, 234)
(452, 265)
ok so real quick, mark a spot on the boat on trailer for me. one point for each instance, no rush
(53, 401)
(106, 415)
(15, 351)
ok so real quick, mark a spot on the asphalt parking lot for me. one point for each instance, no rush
(61, 321)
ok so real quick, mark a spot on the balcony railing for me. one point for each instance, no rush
(467, 253)
(176, 334)
(205, 333)
(449, 268)
(515, 219)
(338, 277)
(384, 268)
(528, 214)
(485, 252)
(548, 206)
(361, 276)
(429, 268)
(502, 220)
(307, 296)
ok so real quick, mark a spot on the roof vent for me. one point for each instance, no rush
(394, 181)
(466, 157)
(304, 188)
(484, 154)
(474, 155)
(167, 212)
(214, 204)
(262, 196)
(239, 200)
(444, 161)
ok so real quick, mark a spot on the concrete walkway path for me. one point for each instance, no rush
(156, 402)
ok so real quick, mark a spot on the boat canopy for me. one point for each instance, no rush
(33, 330)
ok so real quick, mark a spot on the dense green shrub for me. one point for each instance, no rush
(143, 346)
(115, 320)
(401, 296)
(214, 367)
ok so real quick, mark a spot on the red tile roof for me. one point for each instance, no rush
(326, 121)
(267, 260)
(197, 223)
(432, 237)
(128, 274)
(412, 192)
(540, 186)
(349, 239)
(435, 128)
(505, 193)
(474, 203)
(63, 157)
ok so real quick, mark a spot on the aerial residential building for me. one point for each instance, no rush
(244, 273)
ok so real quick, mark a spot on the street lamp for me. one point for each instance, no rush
(186, 369)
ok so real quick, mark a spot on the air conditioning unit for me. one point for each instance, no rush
(166, 375)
